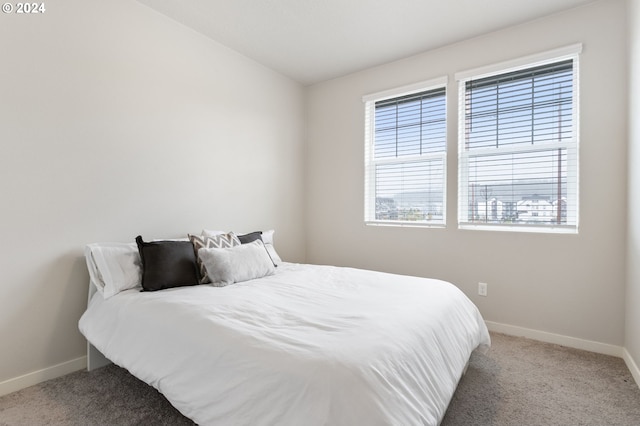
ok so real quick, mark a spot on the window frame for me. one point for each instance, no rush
(572, 146)
(371, 162)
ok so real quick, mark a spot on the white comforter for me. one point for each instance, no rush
(311, 345)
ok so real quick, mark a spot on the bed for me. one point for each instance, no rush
(308, 344)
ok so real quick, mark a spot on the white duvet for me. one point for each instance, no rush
(311, 345)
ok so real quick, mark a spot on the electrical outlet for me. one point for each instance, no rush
(482, 289)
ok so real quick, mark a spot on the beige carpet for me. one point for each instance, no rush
(518, 382)
(525, 382)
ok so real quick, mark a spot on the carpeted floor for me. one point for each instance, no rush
(518, 382)
(525, 382)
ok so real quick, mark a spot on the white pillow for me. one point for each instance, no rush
(114, 267)
(236, 264)
(267, 238)
(273, 255)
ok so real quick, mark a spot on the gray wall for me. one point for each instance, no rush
(116, 121)
(571, 285)
(632, 341)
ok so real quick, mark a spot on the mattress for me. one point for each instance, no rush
(312, 345)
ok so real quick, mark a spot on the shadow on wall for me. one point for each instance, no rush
(52, 303)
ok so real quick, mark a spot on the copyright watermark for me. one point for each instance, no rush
(24, 8)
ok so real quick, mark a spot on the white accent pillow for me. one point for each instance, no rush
(273, 255)
(236, 264)
(114, 267)
(267, 238)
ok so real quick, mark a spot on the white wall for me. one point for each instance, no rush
(632, 325)
(116, 121)
(571, 285)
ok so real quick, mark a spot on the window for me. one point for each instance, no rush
(518, 147)
(405, 155)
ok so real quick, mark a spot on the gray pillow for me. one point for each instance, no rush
(217, 241)
(250, 237)
(236, 264)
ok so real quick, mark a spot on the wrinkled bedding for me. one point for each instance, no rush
(310, 345)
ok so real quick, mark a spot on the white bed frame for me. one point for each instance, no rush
(95, 359)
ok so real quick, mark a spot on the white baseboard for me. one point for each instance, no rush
(558, 339)
(30, 379)
(631, 364)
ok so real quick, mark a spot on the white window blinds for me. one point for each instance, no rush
(405, 157)
(518, 152)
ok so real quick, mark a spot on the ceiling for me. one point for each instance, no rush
(316, 40)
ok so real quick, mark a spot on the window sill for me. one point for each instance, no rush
(398, 224)
(567, 229)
